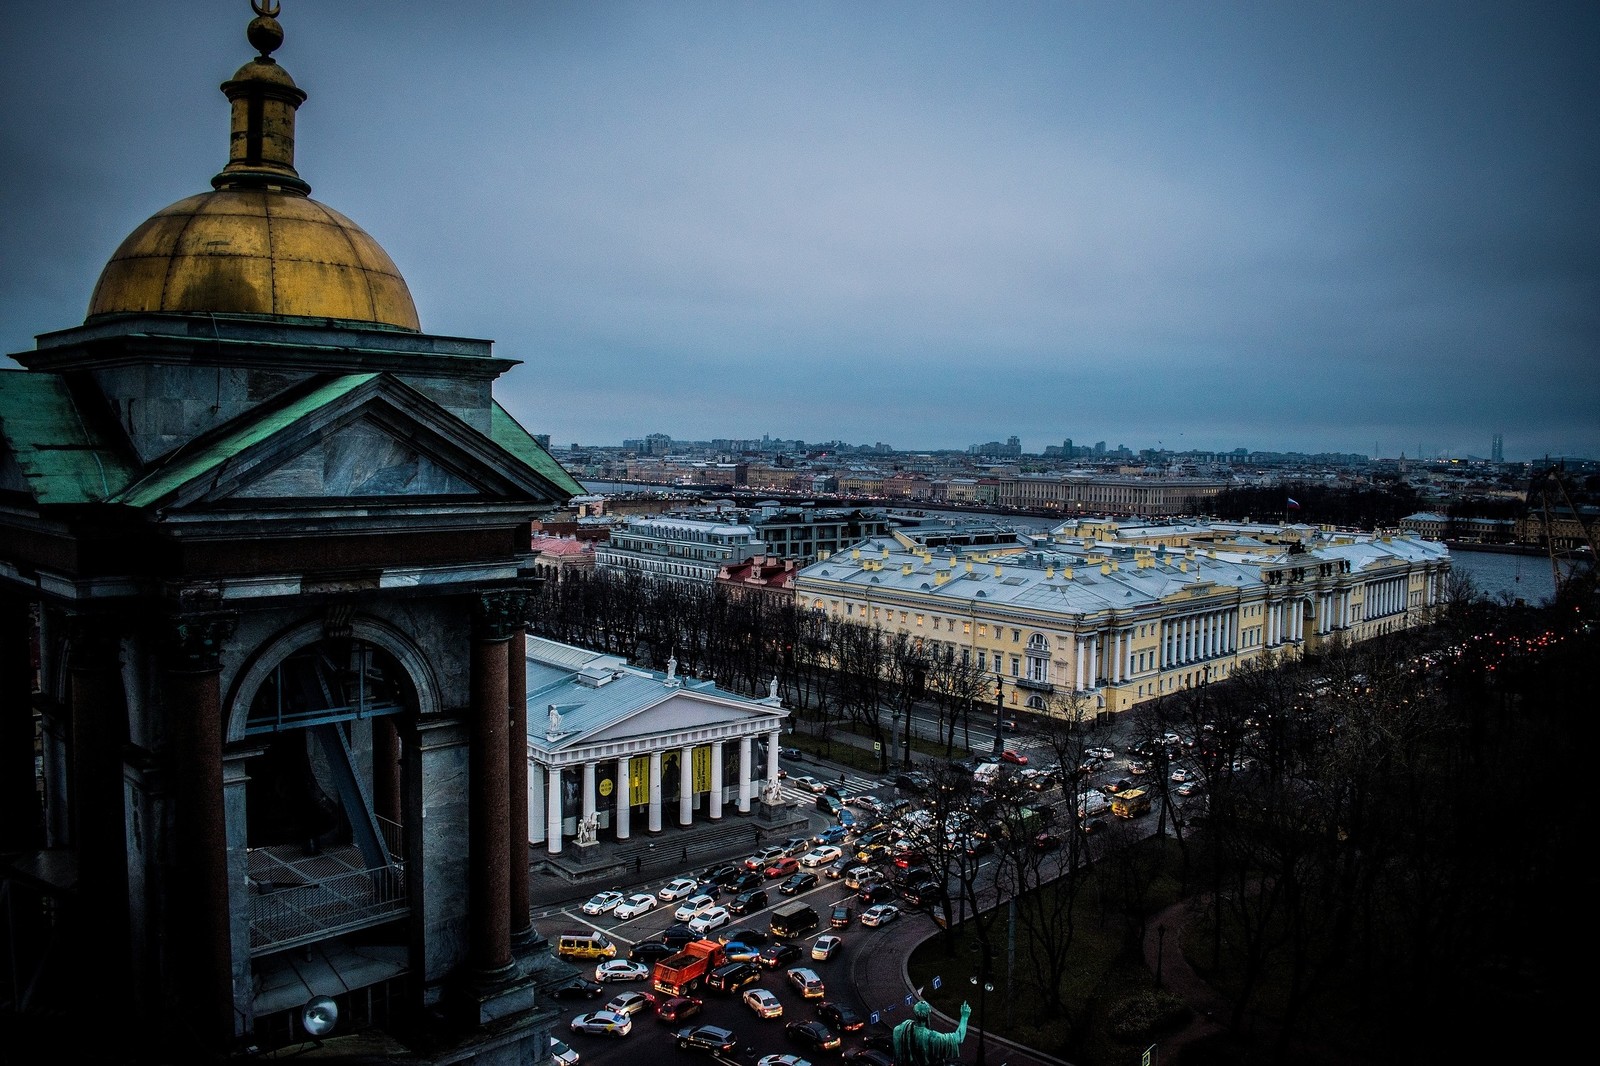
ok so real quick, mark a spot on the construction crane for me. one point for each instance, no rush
(1550, 496)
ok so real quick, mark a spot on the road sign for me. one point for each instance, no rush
(874, 1017)
(936, 983)
(1149, 1056)
(910, 999)
(877, 747)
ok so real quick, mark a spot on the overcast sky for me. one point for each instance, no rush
(1346, 226)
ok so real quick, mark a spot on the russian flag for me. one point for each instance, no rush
(1294, 504)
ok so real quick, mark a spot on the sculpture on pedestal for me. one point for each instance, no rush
(917, 1045)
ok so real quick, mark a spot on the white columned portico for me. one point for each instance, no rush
(655, 792)
(715, 805)
(685, 785)
(623, 798)
(552, 810)
(772, 760)
(746, 772)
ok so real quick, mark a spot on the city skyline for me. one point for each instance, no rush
(1316, 228)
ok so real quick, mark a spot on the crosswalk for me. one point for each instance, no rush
(854, 785)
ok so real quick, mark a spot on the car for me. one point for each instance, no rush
(739, 951)
(561, 1054)
(831, 806)
(825, 946)
(630, 1003)
(782, 1060)
(1119, 785)
(746, 881)
(976, 845)
(791, 753)
(693, 907)
(635, 905)
(621, 970)
(1016, 758)
(821, 855)
(1044, 842)
(907, 858)
(577, 988)
(1179, 776)
(1171, 739)
(745, 902)
(833, 835)
(651, 951)
(707, 1038)
(911, 782)
(807, 980)
(867, 802)
(782, 867)
(678, 888)
(754, 937)
(712, 918)
(873, 894)
(1138, 769)
(720, 874)
(839, 1017)
(872, 853)
(879, 914)
(763, 1003)
(796, 846)
(869, 1056)
(812, 1035)
(776, 955)
(678, 1008)
(763, 858)
(603, 1023)
(708, 888)
(841, 915)
(601, 902)
(922, 892)
(1188, 788)
(807, 782)
(858, 875)
(1095, 825)
(677, 934)
(798, 882)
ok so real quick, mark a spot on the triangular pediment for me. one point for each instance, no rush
(350, 437)
(682, 712)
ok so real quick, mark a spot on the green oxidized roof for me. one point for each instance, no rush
(171, 476)
(509, 434)
(64, 459)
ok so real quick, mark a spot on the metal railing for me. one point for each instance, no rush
(285, 915)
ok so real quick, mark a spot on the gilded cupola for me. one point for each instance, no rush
(257, 244)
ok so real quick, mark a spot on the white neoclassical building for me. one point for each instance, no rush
(615, 750)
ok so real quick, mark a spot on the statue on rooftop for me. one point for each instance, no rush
(917, 1045)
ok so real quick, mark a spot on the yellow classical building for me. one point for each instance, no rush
(1112, 614)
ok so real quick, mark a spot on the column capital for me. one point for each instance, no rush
(196, 629)
(499, 614)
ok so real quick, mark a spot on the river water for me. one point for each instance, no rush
(1496, 575)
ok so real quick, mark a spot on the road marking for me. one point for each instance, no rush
(583, 919)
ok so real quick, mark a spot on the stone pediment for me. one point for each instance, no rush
(684, 711)
(351, 437)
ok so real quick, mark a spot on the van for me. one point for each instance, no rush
(1131, 803)
(732, 977)
(795, 920)
(1092, 804)
(585, 944)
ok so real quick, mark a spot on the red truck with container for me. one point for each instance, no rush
(683, 973)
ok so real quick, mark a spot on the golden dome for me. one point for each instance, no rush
(257, 251)
(258, 244)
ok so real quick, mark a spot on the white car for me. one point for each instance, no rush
(821, 856)
(709, 919)
(561, 1054)
(1188, 788)
(692, 908)
(781, 1060)
(806, 980)
(601, 902)
(634, 905)
(880, 914)
(630, 1003)
(764, 1003)
(807, 782)
(604, 1022)
(677, 888)
(1180, 775)
(825, 946)
(621, 970)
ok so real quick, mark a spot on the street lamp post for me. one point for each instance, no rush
(984, 986)
(999, 710)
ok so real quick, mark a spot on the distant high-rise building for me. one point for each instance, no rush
(1497, 448)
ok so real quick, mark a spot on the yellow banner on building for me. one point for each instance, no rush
(702, 768)
(638, 781)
